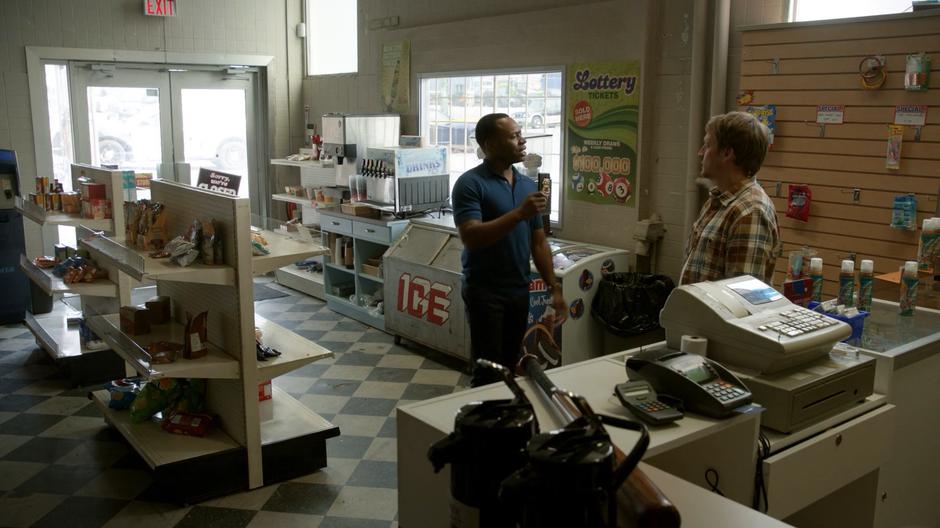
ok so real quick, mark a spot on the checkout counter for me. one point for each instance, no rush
(423, 276)
(822, 468)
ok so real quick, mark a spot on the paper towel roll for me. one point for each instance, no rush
(694, 345)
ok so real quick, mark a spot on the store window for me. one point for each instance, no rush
(332, 36)
(452, 104)
(60, 134)
(808, 10)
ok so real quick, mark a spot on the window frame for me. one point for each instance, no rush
(308, 40)
(528, 70)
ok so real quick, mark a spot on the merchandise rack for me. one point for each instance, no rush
(51, 330)
(254, 443)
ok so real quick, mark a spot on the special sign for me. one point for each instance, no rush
(222, 182)
(421, 298)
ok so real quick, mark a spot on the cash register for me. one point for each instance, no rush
(781, 351)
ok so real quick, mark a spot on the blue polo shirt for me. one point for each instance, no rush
(481, 194)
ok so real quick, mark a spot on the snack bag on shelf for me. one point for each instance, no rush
(194, 344)
(123, 392)
(153, 398)
(259, 245)
(189, 424)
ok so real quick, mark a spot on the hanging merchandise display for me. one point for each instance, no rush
(895, 137)
(904, 213)
(798, 202)
(928, 249)
(767, 115)
(872, 70)
(917, 72)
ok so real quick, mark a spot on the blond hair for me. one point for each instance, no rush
(745, 135)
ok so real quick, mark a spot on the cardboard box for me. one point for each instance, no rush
(94, 191)
(135, 320)
(264, 391)
(372, 267)
(358, 209)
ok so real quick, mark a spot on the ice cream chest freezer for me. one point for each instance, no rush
(423, 275)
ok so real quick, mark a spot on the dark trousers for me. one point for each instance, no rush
(498, 321)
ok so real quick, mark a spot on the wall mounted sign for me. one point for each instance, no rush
(830, 114)
(910, 115)
(163, 8)
(602, 105)
(396, 76)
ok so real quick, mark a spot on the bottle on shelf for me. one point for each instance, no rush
(847, 283)
(816, 274)
(909, 283)
(866, 283)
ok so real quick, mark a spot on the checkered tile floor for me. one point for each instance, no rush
(60, 465)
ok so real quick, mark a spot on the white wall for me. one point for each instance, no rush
(452, 35)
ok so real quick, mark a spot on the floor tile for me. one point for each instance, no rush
(77, 427)
(95, 453)
(46, 387)
(123, 484)
(20, 402)
(246, 500)
(313, 370)
(358, 358)
(33, 372)
(202, 516)
(350, 372)
(434, 365)
(350, 424)
(366, 503)
(420, 391)
(11, 331)
(139, 514)
(369, 406)
(295, 497)
(324, 403)
(63, 480)
(370, 348)
(62, 405)
(382, 449)
(46, 450)
(22, 510)
(10, 442)
(272, 519)
(347, 446)
(292, 316)
(437, 377)
(375, 474)
(91, 410)
(294, 384)
(336, 472)
(334, 346)
(389, 429)
(5, 415)
(318, 326)
(9, 386)
(29, 424)
(17, 343)
(376, 337)
(381, 389)
(81, 512)
(334, 387)
(408, 362)
(399, 375)
(310, 335)
(351, 522)
(13, 473)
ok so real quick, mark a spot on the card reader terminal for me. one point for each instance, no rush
(704, 386)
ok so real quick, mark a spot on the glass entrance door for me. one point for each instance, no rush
(214, 126)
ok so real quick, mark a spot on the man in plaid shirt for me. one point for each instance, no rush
(736, 232)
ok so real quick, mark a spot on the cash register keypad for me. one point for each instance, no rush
(798, 322)
(723, 390)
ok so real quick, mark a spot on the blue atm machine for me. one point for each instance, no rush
(13, 282)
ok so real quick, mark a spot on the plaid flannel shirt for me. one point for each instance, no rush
(735, 234)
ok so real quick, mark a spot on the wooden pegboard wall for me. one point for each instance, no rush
(818, 64)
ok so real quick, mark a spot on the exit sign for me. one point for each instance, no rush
(160, 8)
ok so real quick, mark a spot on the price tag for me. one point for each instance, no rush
(195, 342)
(910, 115)
(830, 114)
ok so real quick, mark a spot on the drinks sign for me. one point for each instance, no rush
(218, 181)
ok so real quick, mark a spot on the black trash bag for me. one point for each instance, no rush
(628, 304)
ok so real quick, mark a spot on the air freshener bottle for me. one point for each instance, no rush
(847, 283)
(816, 274)
(908, 299)
(866, 282)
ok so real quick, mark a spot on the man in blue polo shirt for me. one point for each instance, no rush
(498, 212)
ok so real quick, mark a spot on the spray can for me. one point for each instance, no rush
(866, 283)
(908, 299)
(816, 274)
(847, 283)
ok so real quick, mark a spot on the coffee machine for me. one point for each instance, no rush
(347, 136)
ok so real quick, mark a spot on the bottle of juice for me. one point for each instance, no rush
(866, 283)
(816, 274)
(908, 299)
(847, 283)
